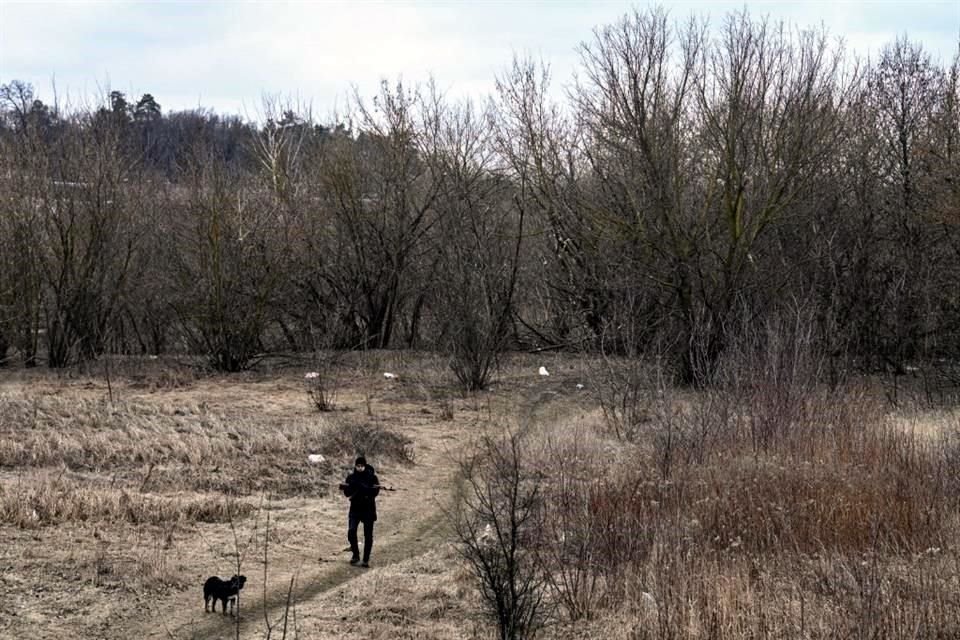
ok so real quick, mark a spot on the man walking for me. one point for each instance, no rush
(362, 487)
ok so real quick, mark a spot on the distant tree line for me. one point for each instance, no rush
(690, 187)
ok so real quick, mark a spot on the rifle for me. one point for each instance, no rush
(344, 485)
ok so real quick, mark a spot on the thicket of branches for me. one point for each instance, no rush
(688, 181)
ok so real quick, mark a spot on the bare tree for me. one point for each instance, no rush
(906, 93)
(72, 215)
(480, 234)
(380, 191)
(886, 243)
(538, 147)
(285, 149)
(228, 262)
(27, 123)
(697, 149)
(636, 101)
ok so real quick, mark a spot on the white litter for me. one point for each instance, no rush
(312, 375)
(486, 537)
(315, 458)
(649, 603)
(544, 372)
(389, 376)
(579, 386)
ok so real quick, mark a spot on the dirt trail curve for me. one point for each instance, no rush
(186, 618)
(313, 540)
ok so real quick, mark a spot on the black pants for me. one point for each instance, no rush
(353, 523)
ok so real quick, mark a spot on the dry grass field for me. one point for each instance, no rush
(123, 488)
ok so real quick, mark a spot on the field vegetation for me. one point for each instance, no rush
(674, 355)
(767, 506)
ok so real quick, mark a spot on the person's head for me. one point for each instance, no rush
(360, 464)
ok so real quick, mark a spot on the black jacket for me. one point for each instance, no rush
(362, 487)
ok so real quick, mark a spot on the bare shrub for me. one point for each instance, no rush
(765, 397)
(446, 410)
(848, 486)
(321, 382)
(568, 552)
(692, 430)
(602, 519)
(639, 406)
(372, 440)
(775, 369)
(319, 392)
(495, 519)
(839, 477)
(627, 390)
(476, 270)
(154, 374)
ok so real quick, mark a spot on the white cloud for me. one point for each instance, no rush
(226, 55)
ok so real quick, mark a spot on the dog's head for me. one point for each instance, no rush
(237, 582)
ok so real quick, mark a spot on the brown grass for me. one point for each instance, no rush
(167, 447)
(41, 499)
(759, 512)
(747, 511)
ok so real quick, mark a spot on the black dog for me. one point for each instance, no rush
(216, 589)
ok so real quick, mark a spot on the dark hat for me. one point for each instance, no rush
(361, 460)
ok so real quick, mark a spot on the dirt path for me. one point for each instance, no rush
(307, 543)
(93, 580)
(312, 580)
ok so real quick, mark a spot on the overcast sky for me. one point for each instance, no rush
(227, 55)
